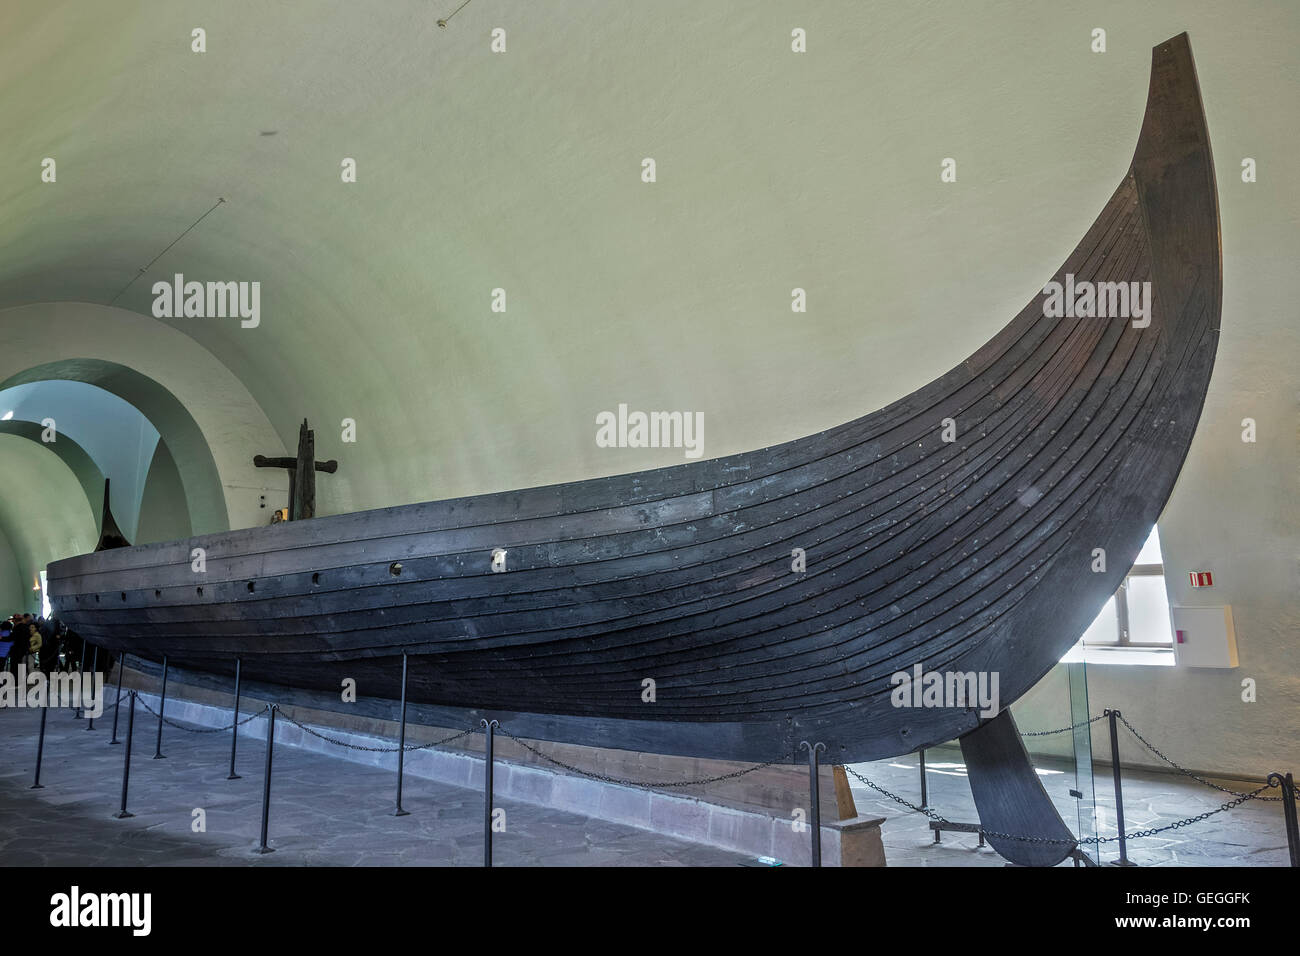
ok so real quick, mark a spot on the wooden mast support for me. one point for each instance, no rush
(302, 473)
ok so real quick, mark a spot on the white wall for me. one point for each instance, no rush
(12, 596)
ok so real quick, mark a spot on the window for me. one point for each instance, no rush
(1137, 615)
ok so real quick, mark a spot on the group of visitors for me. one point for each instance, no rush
(41, 643)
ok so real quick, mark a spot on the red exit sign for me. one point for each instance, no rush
(1201, 579)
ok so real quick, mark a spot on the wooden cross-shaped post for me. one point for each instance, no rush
(302, 473)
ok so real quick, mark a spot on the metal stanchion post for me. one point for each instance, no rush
(94, 669)
(81, 677)
(816, 821)
(162, 703)
(234, 730)
(40, 751)
(490, 726)
(126, 761)
(401, 745)
(117, 705)
(925, 799)
(266, 778)
(1123, 860)
(1288, 813)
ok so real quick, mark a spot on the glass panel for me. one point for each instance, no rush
(1148, 611)
(1150, 553)
(1086, 802)
(1105, 627)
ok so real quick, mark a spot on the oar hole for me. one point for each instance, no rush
(395, 569)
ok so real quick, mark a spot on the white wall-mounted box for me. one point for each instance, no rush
(1204, 637)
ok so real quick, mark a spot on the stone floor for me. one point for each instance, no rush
(324, 811)
(1253, 834)
(327, 811)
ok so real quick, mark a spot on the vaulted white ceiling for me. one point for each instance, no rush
(522, 171)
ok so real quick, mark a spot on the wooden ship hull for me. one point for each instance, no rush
(973, 555)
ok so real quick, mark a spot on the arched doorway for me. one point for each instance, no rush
(210, 423)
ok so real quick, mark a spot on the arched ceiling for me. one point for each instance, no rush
(521, 171)
(206, 416)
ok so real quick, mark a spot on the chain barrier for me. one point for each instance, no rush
(203, 730)
(1094, 841)
(1061, 730)
(374, 750)
(301, 726)
(639, 783)
(1146, 743)
(107, 708)
(1240, 798)
(1183, 770)
(895, 797)
(1253, 795)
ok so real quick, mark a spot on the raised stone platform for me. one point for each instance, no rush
(761, 814)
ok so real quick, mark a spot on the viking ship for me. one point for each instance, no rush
(968, 555)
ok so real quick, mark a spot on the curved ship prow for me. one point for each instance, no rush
(110, 535)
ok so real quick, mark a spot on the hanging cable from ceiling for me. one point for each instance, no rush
(122, 292)
(443, 22)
